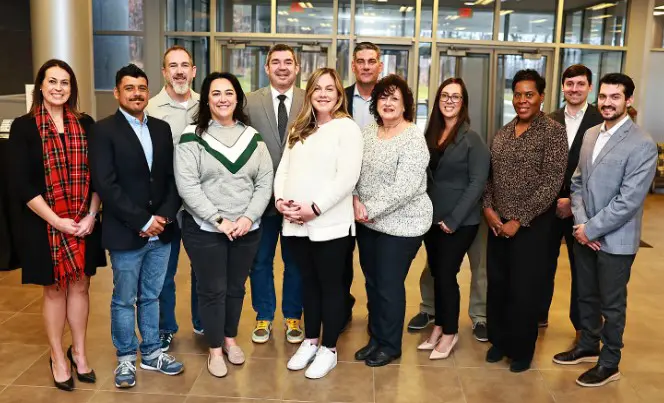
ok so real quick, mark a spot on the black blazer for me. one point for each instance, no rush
(457, 184)
(350, 92)
(591, 118)
(130, 192)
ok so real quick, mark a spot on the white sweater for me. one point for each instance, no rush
(323, 170)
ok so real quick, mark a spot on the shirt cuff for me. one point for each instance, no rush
(146, 226)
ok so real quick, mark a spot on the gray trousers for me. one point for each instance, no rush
(602, 284)
(478, 282)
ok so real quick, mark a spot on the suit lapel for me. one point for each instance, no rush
(592, 139)
(135, 143)
(613, 141)
(269, 111)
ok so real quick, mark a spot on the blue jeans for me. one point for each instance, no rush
(263, 297)
(167, 321)
(138, 276)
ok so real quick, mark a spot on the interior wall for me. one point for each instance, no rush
(650, 112)
(16, 66)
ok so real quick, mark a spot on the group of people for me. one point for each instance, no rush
(227, 174)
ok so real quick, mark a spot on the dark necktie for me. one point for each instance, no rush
(282, 117)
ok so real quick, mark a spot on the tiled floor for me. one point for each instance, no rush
(464, 377)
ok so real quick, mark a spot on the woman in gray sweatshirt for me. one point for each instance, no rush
(224, 175)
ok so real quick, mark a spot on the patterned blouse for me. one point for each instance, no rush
(526, 171)
(393, 182)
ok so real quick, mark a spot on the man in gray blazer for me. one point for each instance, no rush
(616, 167)
(272, 111)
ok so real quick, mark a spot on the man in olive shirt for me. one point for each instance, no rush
(176, 103)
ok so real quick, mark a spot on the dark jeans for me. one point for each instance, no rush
(602, 279)
(385, 260)
(322, 267)
(561, 228)
(445, 254)
(348, 279)
(263, 296)
(222, 267)
(167, 320)
(516, 274)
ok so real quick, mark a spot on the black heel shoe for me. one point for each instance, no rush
(67, 385)
(89, 377)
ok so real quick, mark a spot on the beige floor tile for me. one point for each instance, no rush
(119, 397)
(648, 385)
(199, 399)
(348, 382)
(6, 315)
(498, 386)
(13, 278)
(17, 358)
(14, 299)
(26, 394)
(257, 378)
(24, 328)
(417, 384)
(564, 388)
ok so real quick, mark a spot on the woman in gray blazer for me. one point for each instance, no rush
(458, 171)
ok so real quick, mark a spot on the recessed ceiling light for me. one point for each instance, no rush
(601, 6)
(539, 21)
(505, 12)
(601, 17)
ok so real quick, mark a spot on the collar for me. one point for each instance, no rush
(580, 113)
(163, 99)
(214, 123)
(275, 93)
(356, 93)
(615, 128)
(133, 120)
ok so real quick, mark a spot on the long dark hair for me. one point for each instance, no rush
(38, 97)
(203, 116)
(436, 124)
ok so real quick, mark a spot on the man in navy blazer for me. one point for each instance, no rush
(131, 161)
(616, 168)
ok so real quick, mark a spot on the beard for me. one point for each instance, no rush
(180, 89)
(615, 115)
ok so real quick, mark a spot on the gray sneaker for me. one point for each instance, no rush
(125, 374)
(480, 332)
(163, 363)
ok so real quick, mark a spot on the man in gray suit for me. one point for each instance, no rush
(272, 110)
(616, 167)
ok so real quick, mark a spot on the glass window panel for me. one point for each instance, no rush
(188, 15)
(595, 22)
(343, 19)
(199, 49)
(658, 14)
(472, 22)
(248, 65)
(385, 19)
(314, 17)
(600, 62)
(395, 61)
(426, 19)
(244, 16)
(343, 61)
(508, 65)
(117, 15)
(422, 96)
(527, 20)
(310, 60)
(111, 52)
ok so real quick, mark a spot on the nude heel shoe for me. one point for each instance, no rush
(438, 355)
(426, 345)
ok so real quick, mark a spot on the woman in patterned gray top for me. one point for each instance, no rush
(394, 210)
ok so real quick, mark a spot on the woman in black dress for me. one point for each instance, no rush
(59, 247)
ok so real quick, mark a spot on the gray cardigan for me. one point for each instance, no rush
(456, 185)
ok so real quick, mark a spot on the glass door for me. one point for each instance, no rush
(247, 61)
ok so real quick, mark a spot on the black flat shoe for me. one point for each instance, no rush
(494, 355)
(67, 385)
(519, 365)
(381, 358)
(89, 377)
(366, 352)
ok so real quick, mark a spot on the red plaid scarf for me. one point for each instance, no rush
(67, 183)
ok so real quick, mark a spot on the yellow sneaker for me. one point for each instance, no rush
(294, 333)
(261, 333)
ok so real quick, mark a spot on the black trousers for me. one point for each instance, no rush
(445, 254)
(385, 261)
(602, 279)
(322, 268)
(561, 228)
(348, 279)
(516, 276)
(221, 268)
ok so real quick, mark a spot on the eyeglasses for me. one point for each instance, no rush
(455, 98)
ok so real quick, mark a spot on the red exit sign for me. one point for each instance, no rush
(465, 13)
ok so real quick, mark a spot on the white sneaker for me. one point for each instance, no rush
(303, 356)
(324, 362)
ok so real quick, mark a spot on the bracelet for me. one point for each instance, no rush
(315, 209)
(92, 213)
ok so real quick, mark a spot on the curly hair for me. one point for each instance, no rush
(388, 85)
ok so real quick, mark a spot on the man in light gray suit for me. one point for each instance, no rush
(272, 111)
(616, 167)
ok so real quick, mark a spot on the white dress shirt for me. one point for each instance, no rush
(275, 101)
(573, 122)
(361, 114)
(605, 136)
